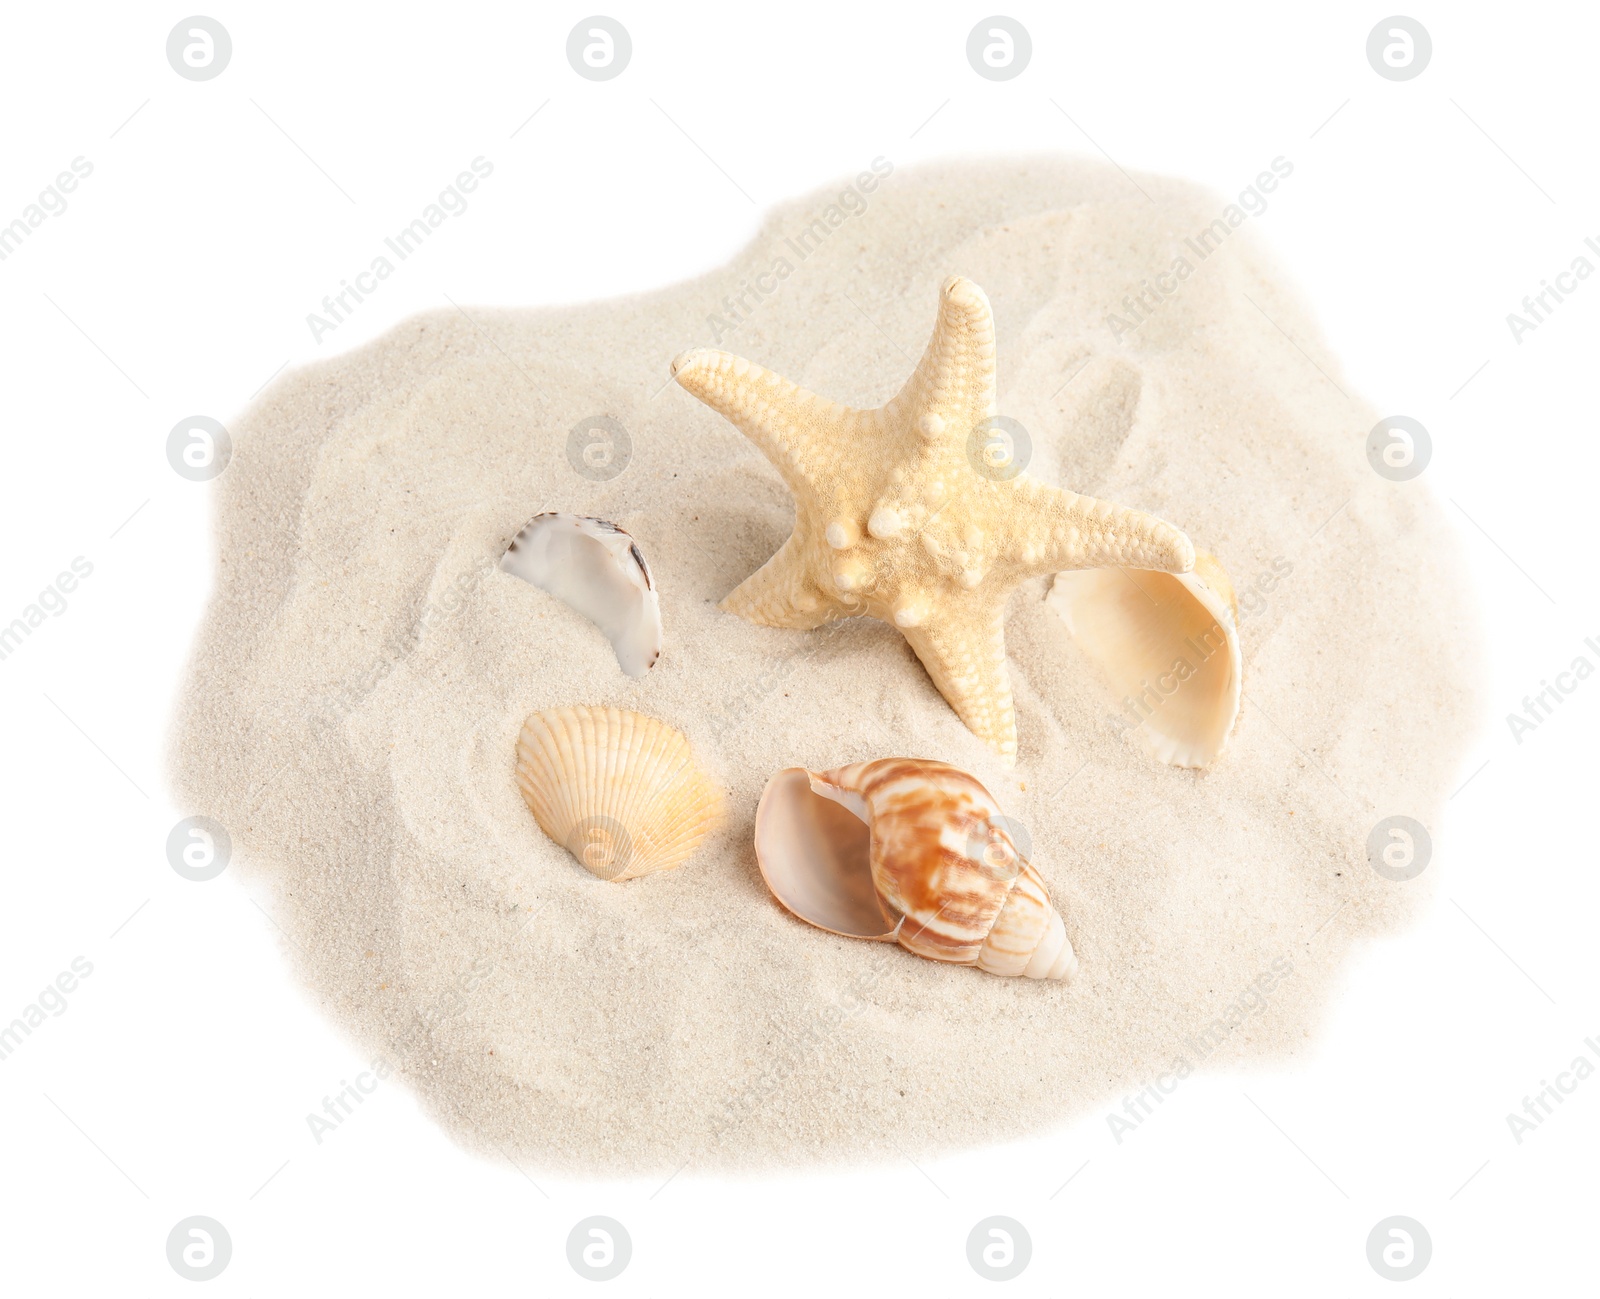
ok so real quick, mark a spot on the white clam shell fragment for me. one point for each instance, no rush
(620, 791)
(597, 568)
(1167, 644)
(914, 852)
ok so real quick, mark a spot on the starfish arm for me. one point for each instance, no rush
(954, 381)
(798, 431)
(780, 593)
(1062, 530)
(966, 658)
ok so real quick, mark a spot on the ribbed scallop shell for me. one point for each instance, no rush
(620, 791)
(920, 855)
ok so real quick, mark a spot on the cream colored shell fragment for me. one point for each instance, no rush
(899, 515)
(914, 852)
(618, 790)
(1168, 647)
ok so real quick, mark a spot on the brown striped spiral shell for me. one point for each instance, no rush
(920, 854)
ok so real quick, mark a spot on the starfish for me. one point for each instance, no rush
(914, 513)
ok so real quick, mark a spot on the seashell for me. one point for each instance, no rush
(595, 567)
(618, 790)
(1168, 645)
(909, 851)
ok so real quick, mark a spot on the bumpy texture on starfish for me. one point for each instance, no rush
(905, 513)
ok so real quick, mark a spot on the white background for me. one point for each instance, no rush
(178, 281)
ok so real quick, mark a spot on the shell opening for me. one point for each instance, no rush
(813, 850)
